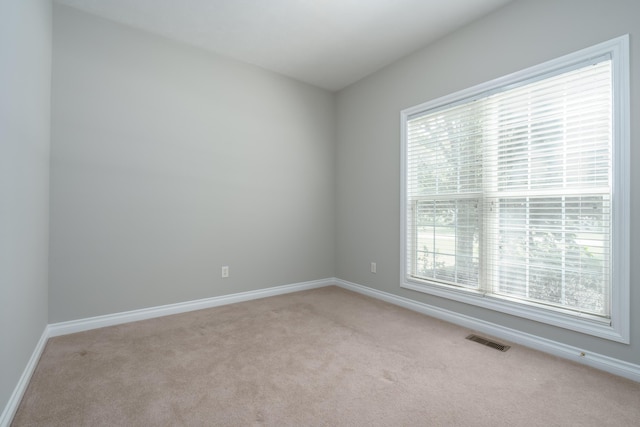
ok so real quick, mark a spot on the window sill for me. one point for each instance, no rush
(587, 324)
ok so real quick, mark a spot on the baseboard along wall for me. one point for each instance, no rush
(80, 325)
(598, 361)
(73, 326)
(14, 401)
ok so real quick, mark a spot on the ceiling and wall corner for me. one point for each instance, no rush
(329, 43)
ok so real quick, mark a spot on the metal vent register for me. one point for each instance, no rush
(488, 343)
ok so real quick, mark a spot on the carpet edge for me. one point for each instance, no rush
(598, 361)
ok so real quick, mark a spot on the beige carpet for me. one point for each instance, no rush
(326, 357)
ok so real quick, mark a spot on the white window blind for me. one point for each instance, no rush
(508, 192)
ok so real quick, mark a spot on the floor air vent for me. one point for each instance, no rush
(488, 343)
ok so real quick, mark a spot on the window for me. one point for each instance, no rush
(516, 193)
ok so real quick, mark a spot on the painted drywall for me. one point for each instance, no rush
(521, 34)
(25, 88)
(168, 162)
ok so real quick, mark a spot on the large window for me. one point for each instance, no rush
(515, 193)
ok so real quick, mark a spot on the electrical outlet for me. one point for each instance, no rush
(373, 267)
(225, 271)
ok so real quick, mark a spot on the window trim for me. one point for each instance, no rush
(618, 328)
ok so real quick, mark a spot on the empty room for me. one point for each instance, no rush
(318, 213)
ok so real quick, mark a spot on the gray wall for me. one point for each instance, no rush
(169, 162)
(25, 85)
(522, 34)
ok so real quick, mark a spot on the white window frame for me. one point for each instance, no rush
(617, 328)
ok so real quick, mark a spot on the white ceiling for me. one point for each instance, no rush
(327, 43)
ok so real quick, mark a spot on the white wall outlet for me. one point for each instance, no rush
(373, 267)
(225, 271)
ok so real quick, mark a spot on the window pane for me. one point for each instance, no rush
(555, 250)
(447, 241)
(445, 152)
(554, 133)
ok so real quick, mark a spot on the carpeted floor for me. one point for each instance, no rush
(325, 357)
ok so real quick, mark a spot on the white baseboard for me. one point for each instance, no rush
(598, 361)
(14, 401)
(80, 325)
